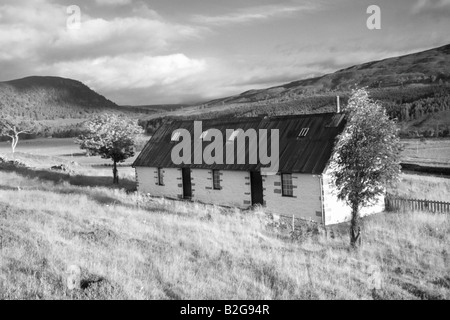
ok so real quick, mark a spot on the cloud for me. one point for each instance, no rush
(31, 31)
(98, 37)
(128, 71)
(135, 50)
(435, 7)
(221, 78)
(113, 2)
(134, 55)
(251, 14)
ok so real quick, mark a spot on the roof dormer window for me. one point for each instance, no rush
(303, 132)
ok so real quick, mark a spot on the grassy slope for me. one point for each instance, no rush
(60, 150)
(415, 186)
(170, 250)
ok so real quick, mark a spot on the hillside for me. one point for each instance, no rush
(50, 98)
(153, 108)
(56, 106)
(130, 246)
(413, 88)
(53, 98)
(429, 67)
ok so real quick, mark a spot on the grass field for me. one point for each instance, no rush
(64, 149)
(415, 186)
(42, 154)
(433, 152)
(133, 247)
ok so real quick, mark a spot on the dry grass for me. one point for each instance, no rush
(61, 150)
(434, 152)
(415, 186)
(134, 247)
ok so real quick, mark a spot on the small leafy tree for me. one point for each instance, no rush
(13, 129)
(366, 158)
(112, 137)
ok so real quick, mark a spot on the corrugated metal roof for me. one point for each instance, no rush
(308, 154)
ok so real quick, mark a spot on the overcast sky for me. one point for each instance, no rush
(181, 51)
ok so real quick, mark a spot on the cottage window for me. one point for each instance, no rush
(216, 179)
(160, 177)
(286, 185)
(303, 132)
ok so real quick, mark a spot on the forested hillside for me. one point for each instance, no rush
(54, 106)
(50, 98)
(430, 67)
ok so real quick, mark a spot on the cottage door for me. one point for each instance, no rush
(256, 187)
(187, 186)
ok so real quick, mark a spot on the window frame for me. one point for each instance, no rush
(287, 190)
(160, 177)
(216, 180)
(303, 132)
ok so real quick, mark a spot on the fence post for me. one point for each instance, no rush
(397, 204)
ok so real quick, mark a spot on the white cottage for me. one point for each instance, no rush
(301, 187)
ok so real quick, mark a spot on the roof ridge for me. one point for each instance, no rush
(257, 118)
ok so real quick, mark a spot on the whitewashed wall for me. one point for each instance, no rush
(235, 188)
(147, 180)
(336, 211)
(306, 203)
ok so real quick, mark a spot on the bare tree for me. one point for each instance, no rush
(12, 129)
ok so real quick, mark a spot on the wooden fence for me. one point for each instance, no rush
(402, 204)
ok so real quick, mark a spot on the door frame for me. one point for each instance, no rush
(256, 188)
(186, 174)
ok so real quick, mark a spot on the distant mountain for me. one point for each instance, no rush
(154, 108)
(430, 67)
(414, 88)
(50, 98)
